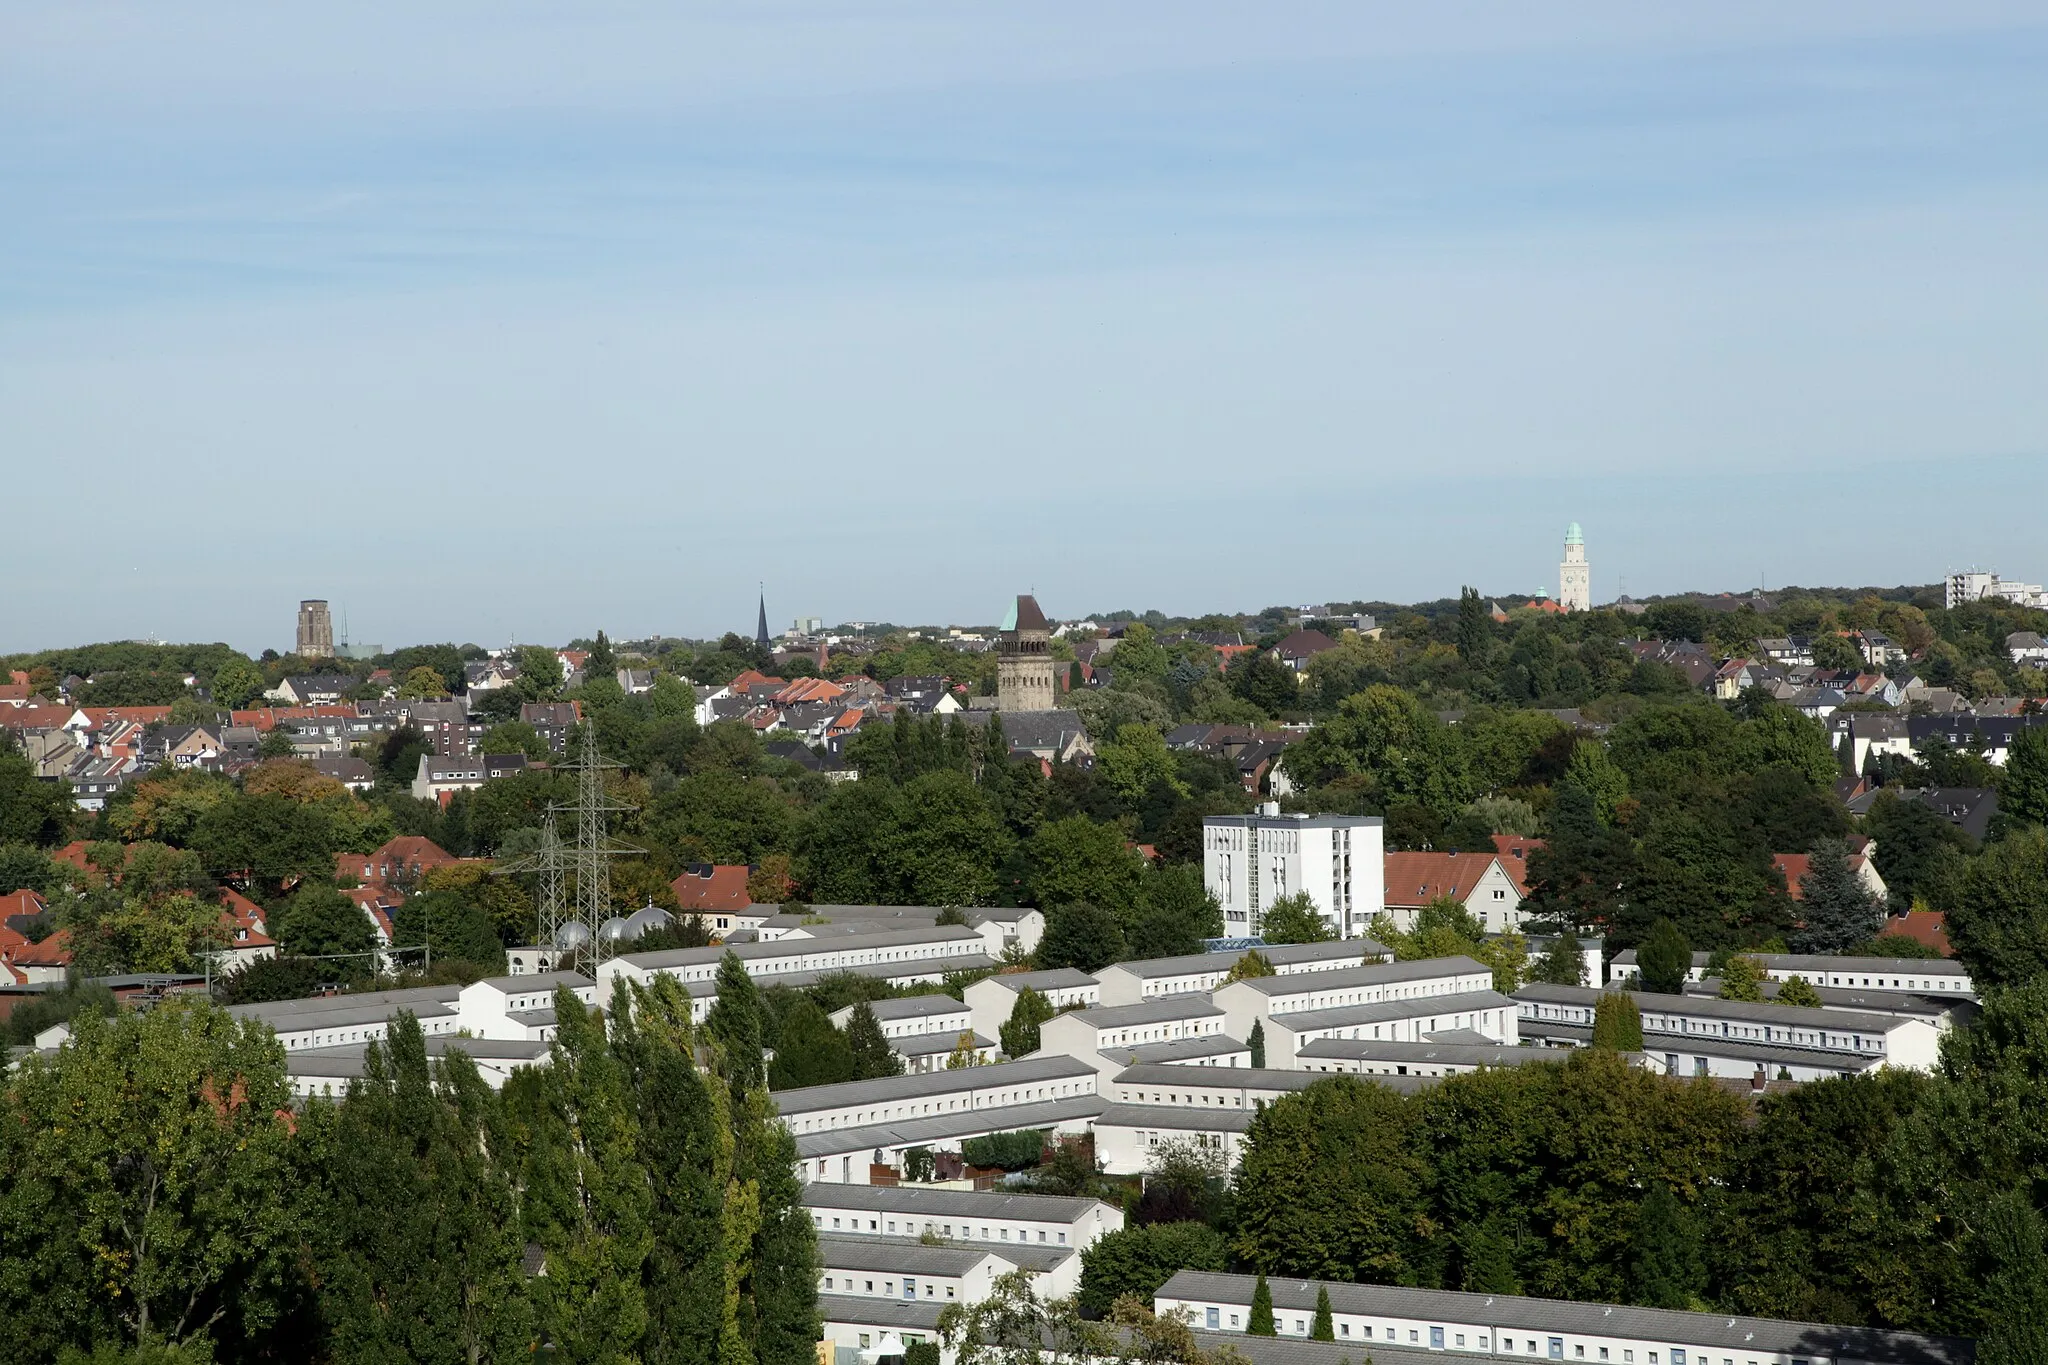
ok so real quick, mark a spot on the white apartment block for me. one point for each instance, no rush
(992, 998)
(1128, 983)
(1926, 976)
(1705, 1035)
(1250, 861)
(1504, 1326)
(1248, 1002)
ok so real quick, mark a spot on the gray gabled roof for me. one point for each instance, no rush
(1368, 974)
(936, 1128)
(875, 1310)
(1055, 979)
(1701, 1331)
(1279, 954)
(1186, 1005)
(1381, 1011)
(909, 1256)
(1713, 1007)
(812, 1098)
(1433, 1054)
(1175, 1051)
(928, 1202)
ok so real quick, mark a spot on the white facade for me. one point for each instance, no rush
(1250, 861)
(1574, 575)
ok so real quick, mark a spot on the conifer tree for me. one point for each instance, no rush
(735, 1023)
(808, 1050)
(872, 1055)
(424, 1254)
(685, 1146)
(1665, 959)
(1260, 1324)
(1837, 909)
(1617, 1023)
(587, 1199)
(1324, 1327)
(1257, 1043)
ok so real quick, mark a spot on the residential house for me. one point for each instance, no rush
(313, 689)
(554, 721)
(1295, 651)
(1480, 882)
(2027, 649)
(248, 938)
(397, 866)
(1514, 851)
(635, 681)
(1794, 867)
(440, 777)
(718, 892)
(354, 773)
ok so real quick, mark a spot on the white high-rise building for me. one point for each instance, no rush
(1574, 575)
(1250, 861)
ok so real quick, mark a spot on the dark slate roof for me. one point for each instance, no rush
(926, 1201)
(1029, 617)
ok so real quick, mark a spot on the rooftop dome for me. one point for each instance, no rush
(613, 929)
(646, 918)
(1573, 535)
(572, 935)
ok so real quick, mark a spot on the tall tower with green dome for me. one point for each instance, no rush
(1574, 575)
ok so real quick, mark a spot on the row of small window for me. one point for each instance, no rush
(847, 1284)
(944, 1230)
(1552, 1348)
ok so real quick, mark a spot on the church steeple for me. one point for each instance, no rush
(761, 626)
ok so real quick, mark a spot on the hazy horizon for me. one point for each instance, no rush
(499, 321)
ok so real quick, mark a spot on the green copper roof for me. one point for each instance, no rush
(1573, 535)
(1010, 617)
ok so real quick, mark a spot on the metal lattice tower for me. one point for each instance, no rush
(594, 849)
(550, 861)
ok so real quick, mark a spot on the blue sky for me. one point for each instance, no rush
(511, 321)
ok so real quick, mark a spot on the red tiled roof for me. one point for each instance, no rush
(707, 887)
(1796, 865)
(1514, 853)
(35, 717)
(22, 902)
(100, 717)
(244, 920)
(1922, 926)
(808, 690)
(1419, 878)
(1548, 604)
(54, 951)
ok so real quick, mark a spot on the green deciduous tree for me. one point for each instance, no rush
(1020, 1031)
(1080, 935)
(1294, 1219)
(237, 682)
(1668, 1263)
(444, 1280)
(148, 1193)
(1999, 924)
(1797, 990)
(1138, 1259)
(1389, 737)
(1562, 963)
(1294, 919)
(1743, 978)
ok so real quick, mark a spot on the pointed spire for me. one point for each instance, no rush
(761, 627)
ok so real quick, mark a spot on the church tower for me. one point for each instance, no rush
(1024, 663)
(1574, 576)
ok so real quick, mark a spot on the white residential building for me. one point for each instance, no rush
(1924, 976)
(1250, 861)
(1504, 1326)
(1129, 983)
(992, 998)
